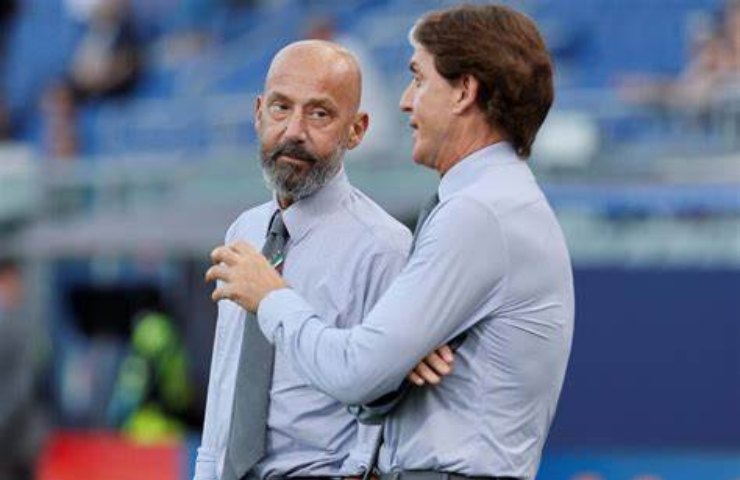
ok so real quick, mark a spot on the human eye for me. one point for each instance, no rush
(278, 107)
(319, 114)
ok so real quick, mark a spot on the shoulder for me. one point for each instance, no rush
(506, 189)
(374, 228)
(465, 212)
(462, 225)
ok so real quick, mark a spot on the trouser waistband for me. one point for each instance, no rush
(304, 478)
(432, 475)
(313, 478)
(251, 476)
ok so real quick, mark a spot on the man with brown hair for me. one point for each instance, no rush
(489, 259)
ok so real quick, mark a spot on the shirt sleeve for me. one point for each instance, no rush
(215, 426)
(213, 440)
(205, 465)
(460, 261)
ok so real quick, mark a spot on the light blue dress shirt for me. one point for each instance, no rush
(491, 260)
(342, 254)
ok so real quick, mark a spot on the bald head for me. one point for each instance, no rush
(326, 65)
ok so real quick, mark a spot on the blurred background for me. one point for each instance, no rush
(127, 147)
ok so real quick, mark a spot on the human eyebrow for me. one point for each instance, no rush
(324, 103)
(277, 97)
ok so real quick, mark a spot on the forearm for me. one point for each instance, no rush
(434, 299)
(347, 364)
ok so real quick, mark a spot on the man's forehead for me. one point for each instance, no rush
(317, 98)
(304, 86)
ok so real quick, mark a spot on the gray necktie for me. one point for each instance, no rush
(423, 214)
(247, 434)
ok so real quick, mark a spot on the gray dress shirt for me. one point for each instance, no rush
(491, 259)
(343, 253)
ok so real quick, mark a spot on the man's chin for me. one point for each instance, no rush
(420, 159)
(292, 182)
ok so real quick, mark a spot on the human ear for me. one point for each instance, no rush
(258, 113)
(466, 92)
(358, 129)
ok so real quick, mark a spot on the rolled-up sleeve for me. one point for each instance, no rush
(459, 261)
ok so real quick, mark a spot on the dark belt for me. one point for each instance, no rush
(432, 475)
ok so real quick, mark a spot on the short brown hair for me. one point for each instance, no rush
(503, 49)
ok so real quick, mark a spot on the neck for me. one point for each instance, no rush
(465, 144)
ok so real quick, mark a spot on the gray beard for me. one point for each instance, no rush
(283, 180)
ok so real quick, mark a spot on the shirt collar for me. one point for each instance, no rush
(303, 215)
(472, 167)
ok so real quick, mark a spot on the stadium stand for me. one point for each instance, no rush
(649, 199)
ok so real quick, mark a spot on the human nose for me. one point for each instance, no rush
(405, 102)
(295, 128)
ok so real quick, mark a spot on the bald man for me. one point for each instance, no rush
(341, 251)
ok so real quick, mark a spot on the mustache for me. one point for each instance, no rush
(293, 149)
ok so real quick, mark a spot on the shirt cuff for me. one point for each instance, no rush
(205, 465)
(278, 307)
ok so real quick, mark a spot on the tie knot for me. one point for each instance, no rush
(277, 226)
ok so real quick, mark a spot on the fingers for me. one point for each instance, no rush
(243, 251)
(434, 366)
(437, 364)
(224, 254)
(427, 374)
(217, 272)
(244, 275)
(415, 379)
(446, 353)
(221, 293)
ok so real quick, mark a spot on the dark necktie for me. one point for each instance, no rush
(248, 431)
(423, 215)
